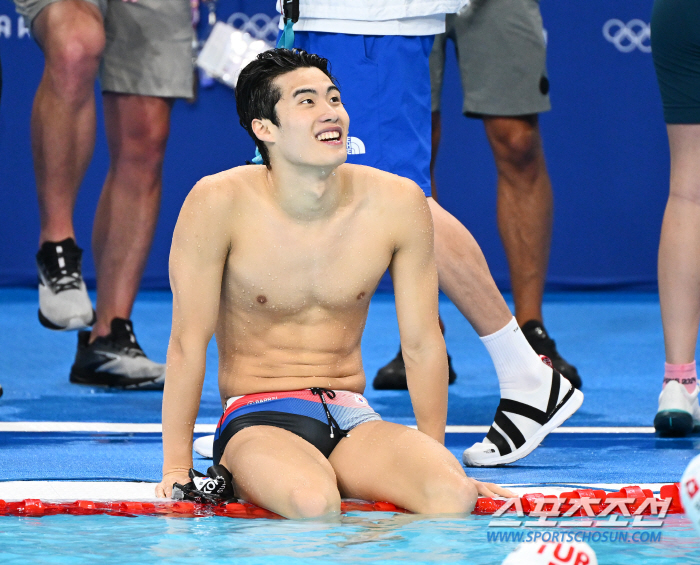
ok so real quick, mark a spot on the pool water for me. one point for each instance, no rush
(359, 537)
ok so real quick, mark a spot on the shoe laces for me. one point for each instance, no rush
(122, 336)
(62, 268)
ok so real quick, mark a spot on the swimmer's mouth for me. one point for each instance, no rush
(331, 137)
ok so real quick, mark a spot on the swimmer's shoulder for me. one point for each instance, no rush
(382, 183)
(222, 191)
(385, 188)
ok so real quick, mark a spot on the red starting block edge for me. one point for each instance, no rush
(36, 508)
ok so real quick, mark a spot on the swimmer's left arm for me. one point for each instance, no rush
(414, 275)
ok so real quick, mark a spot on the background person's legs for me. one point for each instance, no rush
(464, 275)
(679, 282)
(675, 46)
(524, 208)
(278, 470)
(137, 131)
(71, 35)
(679, 250)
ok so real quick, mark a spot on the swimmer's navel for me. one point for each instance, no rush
(361, 295)
(261, 299)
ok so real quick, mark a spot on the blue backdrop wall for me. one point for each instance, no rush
(604, 139)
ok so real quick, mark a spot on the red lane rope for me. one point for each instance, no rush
(484, 506)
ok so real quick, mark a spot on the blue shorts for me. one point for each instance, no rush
(385, 87)
(321, 417)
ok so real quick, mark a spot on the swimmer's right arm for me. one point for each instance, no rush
(197, 257)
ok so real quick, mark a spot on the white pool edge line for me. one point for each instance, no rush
(143, 491)
(129, 428)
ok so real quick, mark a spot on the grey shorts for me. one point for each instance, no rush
(501, 50)
(148, 47)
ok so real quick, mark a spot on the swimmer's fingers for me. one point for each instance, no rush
(160, 491)
(491, 489)
(165, 487)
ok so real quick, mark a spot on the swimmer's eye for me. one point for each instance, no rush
(307, 101)
(336, 99)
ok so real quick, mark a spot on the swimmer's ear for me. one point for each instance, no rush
(263, 129)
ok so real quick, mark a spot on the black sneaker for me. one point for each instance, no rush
(64, 303)
(392, 376)
(115, 360)
(539, 340)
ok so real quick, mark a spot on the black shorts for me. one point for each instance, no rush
(675, 48)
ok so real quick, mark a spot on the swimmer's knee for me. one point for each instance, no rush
(456, 496)
(314, 502)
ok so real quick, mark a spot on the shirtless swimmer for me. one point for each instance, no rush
(280, 261)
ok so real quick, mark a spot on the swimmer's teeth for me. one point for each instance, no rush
(328, 135)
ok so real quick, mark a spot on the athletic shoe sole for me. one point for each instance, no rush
(673, 422)
(73, 323)
(111, 380)
(563, 413)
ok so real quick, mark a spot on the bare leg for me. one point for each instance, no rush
(278, 470)
(385, 461)
(71, 35)
(679, 251)
(524, 208)
(465, 276)
(436, 133)
(127, 213)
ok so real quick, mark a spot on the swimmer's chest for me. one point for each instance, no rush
(293, 268)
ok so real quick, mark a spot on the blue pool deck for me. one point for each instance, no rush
(615, 340)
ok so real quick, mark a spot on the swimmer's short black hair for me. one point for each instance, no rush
(256, 95)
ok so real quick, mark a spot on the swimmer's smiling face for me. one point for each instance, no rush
(313, 123)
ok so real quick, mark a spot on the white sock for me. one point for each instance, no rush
(518, 367)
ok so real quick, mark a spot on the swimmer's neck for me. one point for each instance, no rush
(305, 192)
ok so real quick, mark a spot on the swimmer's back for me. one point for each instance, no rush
(295, 290)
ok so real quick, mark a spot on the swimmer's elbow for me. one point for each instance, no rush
(424, 349)
(181, 349)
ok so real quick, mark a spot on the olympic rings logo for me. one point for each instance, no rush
(627, 37)
(259, 26)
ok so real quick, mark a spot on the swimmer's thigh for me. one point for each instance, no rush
(389, 462)
(278, 470)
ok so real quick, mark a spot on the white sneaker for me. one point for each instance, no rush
(521, 425)
(64, 303)
(679, 411)
(205, 446)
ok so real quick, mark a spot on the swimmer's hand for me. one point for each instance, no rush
(491, 490)
(165, 488)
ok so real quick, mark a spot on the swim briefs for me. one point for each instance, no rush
(320, 416)
(502, 55)
(148, 49)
